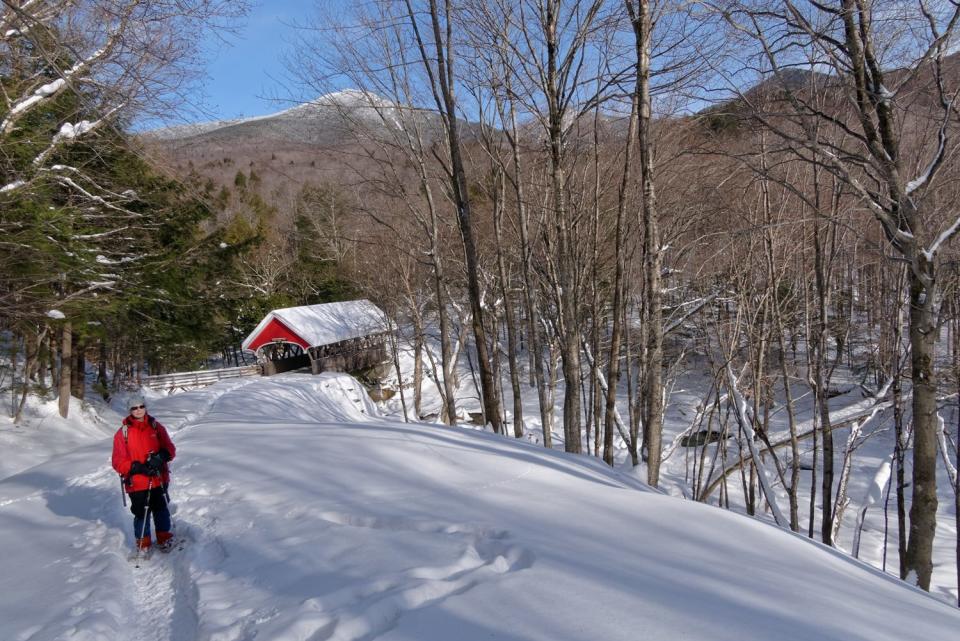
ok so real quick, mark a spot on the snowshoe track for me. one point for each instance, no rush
(366, 610)
(164, 598)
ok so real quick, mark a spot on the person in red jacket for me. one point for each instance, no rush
(141, 450)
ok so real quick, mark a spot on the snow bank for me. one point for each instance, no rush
(42, 433)
(310, 518)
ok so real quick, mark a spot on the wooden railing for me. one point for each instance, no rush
(201, 377)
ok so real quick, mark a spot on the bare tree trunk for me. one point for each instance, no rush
(566, 285)
(447, 358)
(506, 103)
(418, 366)
(553, 362)
(52, 357)
(956, 479)
(634, 394)
(446, 352)
(509, 314)
(14, 347)
(66, 363)
(33, 344)
(792, 490)
(439, 67)
(923, 507)
(25, 387)
(820, 379)
(44, 349)
(826, 482)
(777, 312)
(898, 422)
(102, 381)
(395, 348)
(117, 369)
(618, 309)
(815, 421)
(78, 372)
(596, 304)
(533, 308)
(840, 505)
(495, 362)
(641, 17)
(569, 336)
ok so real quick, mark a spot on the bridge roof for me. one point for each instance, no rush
(317, 325)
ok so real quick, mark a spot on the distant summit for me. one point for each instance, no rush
(328, 139)
(328, 120)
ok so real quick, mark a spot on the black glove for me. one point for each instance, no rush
(155, 464)
(164, 455)
(139, 468)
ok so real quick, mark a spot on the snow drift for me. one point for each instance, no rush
(309, 517)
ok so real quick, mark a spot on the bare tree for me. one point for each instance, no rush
(860, 141)
(437, 57)
(555, 38)
(411, 103)
(493, 29)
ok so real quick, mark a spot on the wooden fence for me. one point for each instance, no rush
(199, 378)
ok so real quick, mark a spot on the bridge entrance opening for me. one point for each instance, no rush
(281, 356)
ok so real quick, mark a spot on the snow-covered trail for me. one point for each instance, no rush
(308, 517)
(67, 515)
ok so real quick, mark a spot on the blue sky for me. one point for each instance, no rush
(246, 73)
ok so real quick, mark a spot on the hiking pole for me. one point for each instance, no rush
(146, 517)
(123, 492)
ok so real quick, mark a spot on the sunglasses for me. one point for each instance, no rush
(138, 407)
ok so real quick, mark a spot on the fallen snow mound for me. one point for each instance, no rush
(294, 398)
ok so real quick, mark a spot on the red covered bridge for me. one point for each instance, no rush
(345, 336)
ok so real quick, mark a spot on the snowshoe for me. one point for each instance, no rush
(171, 545)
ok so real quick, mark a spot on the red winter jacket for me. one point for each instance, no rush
(144, 436)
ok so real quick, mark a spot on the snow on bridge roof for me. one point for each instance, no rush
(322, 324)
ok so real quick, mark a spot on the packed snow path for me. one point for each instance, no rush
(307, 517)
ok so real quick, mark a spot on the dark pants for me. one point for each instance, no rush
(156, 499)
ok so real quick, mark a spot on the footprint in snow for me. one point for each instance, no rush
(367, 610)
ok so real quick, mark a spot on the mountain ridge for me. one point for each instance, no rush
(327, 120)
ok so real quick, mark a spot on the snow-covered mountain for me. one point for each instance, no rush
(325, 121)
(308, 516)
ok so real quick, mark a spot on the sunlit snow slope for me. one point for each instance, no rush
(310, 518)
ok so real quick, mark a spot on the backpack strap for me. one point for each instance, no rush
(152, 422)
